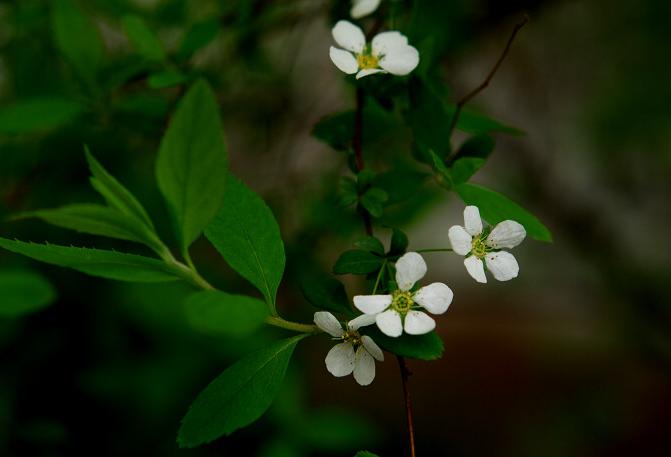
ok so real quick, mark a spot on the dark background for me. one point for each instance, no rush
(570, 359)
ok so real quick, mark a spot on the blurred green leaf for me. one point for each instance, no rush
(444, 176)
(280, 448)
(198, 36)
(424, 347)
(24, 292)
(337, 431)
(336, 130)
(167, 78)
(463, 169)
(400, 184)
(38, 113)
(480, 146)
(143, 39)
(192, 163)
(370, 244)
(473, 122)
(373, 200)
(239, 396)
(357, 262)
(365, 454)
(246, 234)
(325, 292)
(496, 208)
(225, 314)
(77, 38)
(96, 262)
(399, 242)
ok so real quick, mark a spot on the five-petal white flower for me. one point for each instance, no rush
(482, 247)
(388, 53)
(400, 310)
(361, 8)
(356, 354)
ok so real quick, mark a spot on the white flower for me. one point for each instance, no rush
(356, 353)
(400, 310)
(361, 8)
(482, 247)
(388, 53)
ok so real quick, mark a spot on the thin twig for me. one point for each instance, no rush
(405, 375)
(483, 85)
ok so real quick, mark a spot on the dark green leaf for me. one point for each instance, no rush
(24, 292)
(444, 176)
(95, 262)
(192, 163)
(463, 169)
(475, 123)
(246, 234)
(143, 39)
(428, 119)
(337, 431)
(239, 396)
(400, 184)
(479, 146)
(365, 454)
(325, 292)
(226, 314)
(399, 242)
(425, 347)
(167, 78)
(495, 208)
(336, 130)
(357, 262)
(370, 244)
(199, 35)
(37, 114)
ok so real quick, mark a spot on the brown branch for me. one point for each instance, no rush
(405, 375)
(484, 84)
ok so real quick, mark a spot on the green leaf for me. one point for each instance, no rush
(480, 146)
(143, 39)
(239, 396)
(325, 292)
(336, 130)
(399, 242)
(24, 292)
(192, 163)
(463, 169)
(246, 234)
(370, 244)
(38, 113)
(95, 262)
(199, 35)
(98, 220)
(167, 78)
(476, 123)
(495, 208)
(424, 347)
(444, 176)
(373, 200)
(365, 454)
(337, 431)
(77, 38)
(225, 314)
(357, 262)
(116, 195)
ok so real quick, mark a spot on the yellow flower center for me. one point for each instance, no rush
(352, 337)
(479, 248)
(402, 301)
(367, 61)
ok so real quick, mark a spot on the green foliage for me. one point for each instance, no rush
(198, 36)
(473, 122)
(225, 314)
(463, 169)
(365, 454)
(398, 243)
(373, 200)
(325, 292)
(495, 208)
(239, 396)
(246, 234)
(337, 431)
(96, 262)
(143, 39)
(424, 347)
(38, 114)
(166, 78)
(23, 292)
(192, 164)
(357, 262)
(370, 244)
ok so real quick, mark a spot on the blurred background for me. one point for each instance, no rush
(573, 358)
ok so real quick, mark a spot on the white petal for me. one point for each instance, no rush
(410, 268)
(475, 268)
(400, 61)
(472, 220)
(372, 304)
(344, 60)
(461, 241)
(506, 234)
(368, 72)
(364, 367)
(387, 42)
(389, 323)
(436, 297)
(340, 360)
(503, 265)
(372, 348)
(328, 323)
(418, 323)
(349, 36)
(361, 321)
(361, 8)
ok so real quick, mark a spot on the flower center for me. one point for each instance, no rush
(402, 301)
(352, 337)
(479, 248)
(367, 61)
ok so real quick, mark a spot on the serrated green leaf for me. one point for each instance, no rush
(357, 262)
(225, 314)
(246, 234)
(77, 38)
(463, 169)
(24, 292)
(370, 244)
(166, 78)
(424, 347)
(398, 243)
(495, 207)
(38, 113)
(325, 292)
(239, 396)
(143, 39)
(98, 220)
(96, 262)
(192, 164)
